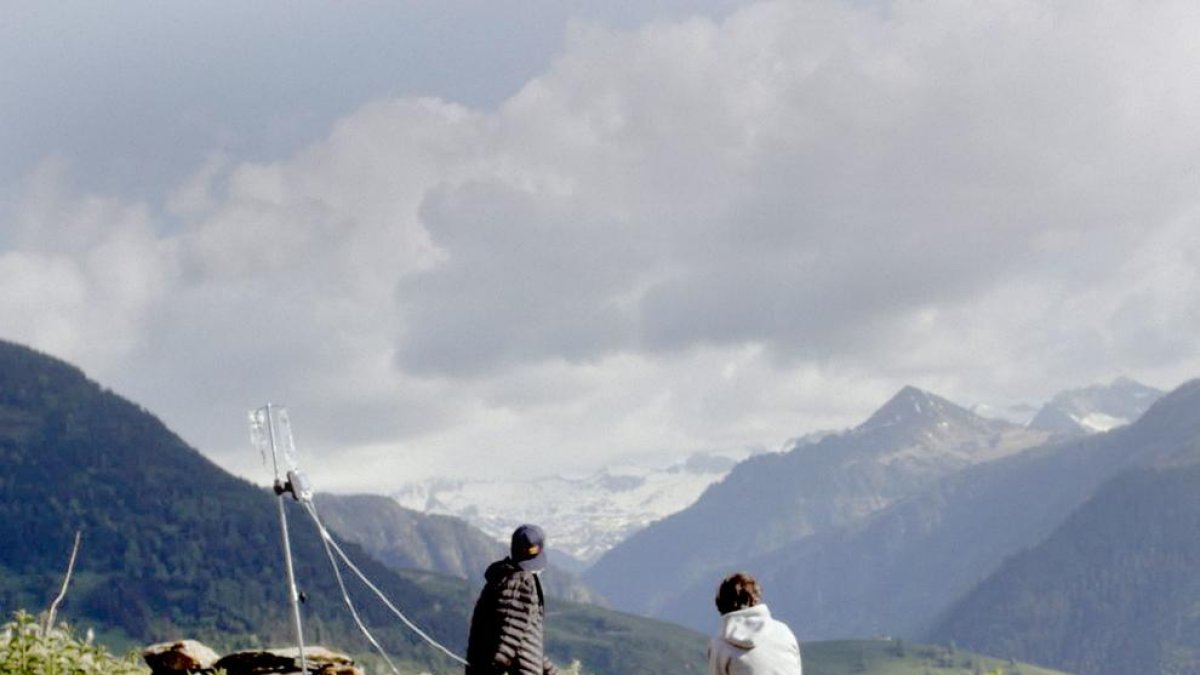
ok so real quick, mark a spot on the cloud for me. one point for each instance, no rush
(83, 273)
(809, 176)
(691, 234)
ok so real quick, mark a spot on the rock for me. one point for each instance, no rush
(320, 660)
(181, 656)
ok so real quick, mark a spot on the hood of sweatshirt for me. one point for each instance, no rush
(500, 569)
(745, 627)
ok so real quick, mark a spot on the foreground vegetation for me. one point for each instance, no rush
(29, 648)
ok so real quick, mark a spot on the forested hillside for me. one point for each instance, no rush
(171, 543)
(1113, 591)
(173, 546)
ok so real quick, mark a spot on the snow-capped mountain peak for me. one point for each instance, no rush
(913, 409)
(1096, 408)
(921, 428)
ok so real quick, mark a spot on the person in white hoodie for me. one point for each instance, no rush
(750, 642)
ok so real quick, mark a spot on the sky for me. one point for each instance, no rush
(510, 239)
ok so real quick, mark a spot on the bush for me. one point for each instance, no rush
(26, 648)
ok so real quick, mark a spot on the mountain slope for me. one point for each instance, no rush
(1114, 590)
(770, 501)
(405, 539)
(168, 538)
(173, 546)
(897, 571)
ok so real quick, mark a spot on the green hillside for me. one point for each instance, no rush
(894, 657)
(174, 547)
(1113, 591)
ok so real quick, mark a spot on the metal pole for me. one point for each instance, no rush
(287, 547)
(295, 595)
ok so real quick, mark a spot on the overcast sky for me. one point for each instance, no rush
(511, 238)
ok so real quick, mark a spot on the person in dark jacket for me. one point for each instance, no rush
(506, 626)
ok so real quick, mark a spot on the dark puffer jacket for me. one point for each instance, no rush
(506, 627)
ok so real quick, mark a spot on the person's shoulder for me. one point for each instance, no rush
(784, 632)
(508, 573)
(718, 648)
(501, 571)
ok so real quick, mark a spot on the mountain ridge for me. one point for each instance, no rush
(921, 411)
(787, 496)
(896, 571)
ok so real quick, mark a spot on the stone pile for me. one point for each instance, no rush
(191, 657)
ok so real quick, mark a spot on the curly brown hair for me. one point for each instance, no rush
(738, 591)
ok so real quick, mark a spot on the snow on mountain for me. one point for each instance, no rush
(773, 501)
(1097, 408)
(1018, 413)
(918, 427)
(583, 516)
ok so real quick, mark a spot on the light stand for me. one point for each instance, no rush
(270, 429)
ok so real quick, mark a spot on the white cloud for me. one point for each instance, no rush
(84, 272)
(694, 234)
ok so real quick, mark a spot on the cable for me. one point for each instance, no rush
(345, 594)
(362, 577)
(263, 434)
(386, 601)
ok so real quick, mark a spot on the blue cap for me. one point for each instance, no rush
(529, 548)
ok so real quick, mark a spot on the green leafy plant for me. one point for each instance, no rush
(28, 648)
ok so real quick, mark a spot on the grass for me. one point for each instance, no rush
(895, 657)
(26, 648)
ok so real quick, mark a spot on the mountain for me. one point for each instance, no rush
(1017, 413)
(583, 516)
(771, 501)
(1113, 590)
(899, 570)
(1095, 408)
(405, 539)
(174, 547)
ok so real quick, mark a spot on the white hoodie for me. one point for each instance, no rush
(750, 642)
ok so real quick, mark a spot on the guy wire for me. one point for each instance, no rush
(330, 541)
(345, 594)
